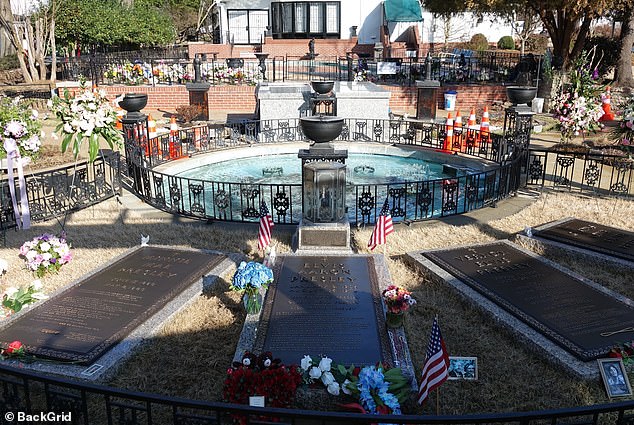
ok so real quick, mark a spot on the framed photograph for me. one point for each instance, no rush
(614, 377)
(465, 368)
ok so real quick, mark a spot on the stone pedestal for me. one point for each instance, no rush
(326, 238)
(199, 96)
(426, 99)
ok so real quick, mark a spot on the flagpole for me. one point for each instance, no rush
(437, 401)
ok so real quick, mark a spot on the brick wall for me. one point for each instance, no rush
(242, 98)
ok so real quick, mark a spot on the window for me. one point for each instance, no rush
(306, 19)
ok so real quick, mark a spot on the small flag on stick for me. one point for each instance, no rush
(266, 223)
(436, 367)
(382, 228)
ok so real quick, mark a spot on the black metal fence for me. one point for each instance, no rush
(28, 393)
(581, 172)
(54, 193)
(410, 200)
(135, 69)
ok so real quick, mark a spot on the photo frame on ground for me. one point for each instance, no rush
(463, 368)
(614, 377)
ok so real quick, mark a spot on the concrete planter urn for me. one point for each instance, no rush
(321, 129)
(132, 103)
(520, 95)
(322, 87)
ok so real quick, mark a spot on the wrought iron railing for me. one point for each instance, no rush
(56, 192)
(146, 69)
(410, 200)
(590, 172)
(29, 393)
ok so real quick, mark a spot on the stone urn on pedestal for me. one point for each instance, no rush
(324, 224)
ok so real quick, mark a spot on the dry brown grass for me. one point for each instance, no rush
(190, 355)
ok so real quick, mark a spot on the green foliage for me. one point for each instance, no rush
(107, 22)
(537, 43)
(9, 62)
(506, 43)
(479, 42)
(606, 54)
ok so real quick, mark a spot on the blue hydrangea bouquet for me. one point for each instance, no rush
(250, 277)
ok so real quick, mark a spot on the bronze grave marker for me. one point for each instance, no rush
(85, 320)
(592, 236)
(581, 318)
(328, 306)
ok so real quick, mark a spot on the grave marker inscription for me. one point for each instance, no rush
(86, 319)
(592, 236)
(326, 306)
(583, 319)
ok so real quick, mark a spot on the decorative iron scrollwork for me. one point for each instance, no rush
(378, 131)
(366, 203)
(281, 203)
(592, 173)
(535, 169)
(221, 199)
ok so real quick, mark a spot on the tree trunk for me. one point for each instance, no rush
(623, 72)
(53, 48)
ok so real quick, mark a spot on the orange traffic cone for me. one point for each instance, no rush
(472, 127)
(153, 143)
(471, 123)
(484, 126)
(607, 108)
(448, 133)
(457, 132)
(120, 114)
(151, 126)
(175, 148)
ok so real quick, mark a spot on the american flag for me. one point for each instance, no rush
(382, 228)
(436, 364)
(266, 222)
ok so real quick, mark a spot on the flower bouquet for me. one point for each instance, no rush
(45, 253)
(20, 128)
(623, 135)
(88, 115)
(380, 390)
(261, 376)
(577, 106)
(16, 298)
(319, 372)
(397, 300)
(624, 352)
(250, 277)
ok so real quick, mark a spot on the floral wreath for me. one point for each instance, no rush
(371, 378)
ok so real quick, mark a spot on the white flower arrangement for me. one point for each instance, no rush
(14, 299)
(45, 253)
(19, 127)
(88, 115)
(312, 373)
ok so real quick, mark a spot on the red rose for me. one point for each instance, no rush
(615, 354)
(14, 348)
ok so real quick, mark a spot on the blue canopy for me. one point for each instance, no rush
(402, 11)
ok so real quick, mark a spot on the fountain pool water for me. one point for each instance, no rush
(287, 169)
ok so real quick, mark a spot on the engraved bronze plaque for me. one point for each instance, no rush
(200, 99)
(326, 306)
(581, 318)
(592, 236)
(321, 237)
(84, 321)
(426, 104)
